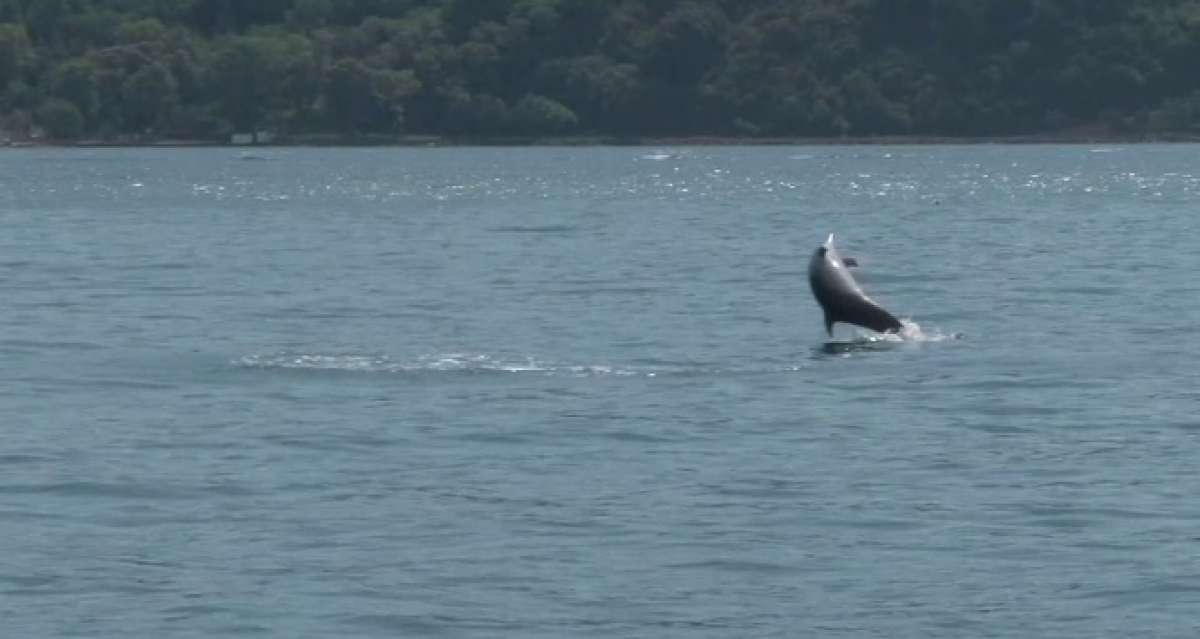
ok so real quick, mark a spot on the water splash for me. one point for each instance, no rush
(912, 332)
(866, 341)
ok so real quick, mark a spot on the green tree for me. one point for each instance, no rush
(686, 42)
(600, 91)
(295, 81)
(686, 67)
(871, 112)
(311, 14)
(461, 16)
(536, 114)
(392, 89)
(240, 77)
(149, 95)
(478, 114)
(15, 51)
(144, 30)
(349, 96)
(60, 119)
(43, 17)
(10, 11)
(75, 82)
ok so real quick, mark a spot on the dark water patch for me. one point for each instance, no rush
(1025, 381)
(601, 291)
(506, 438)
(1149, 592)
(126, 384)
(55, 305)
(155, 266)
(121, 490)
(171, 317)
(174, 290)
(1063, 523)
(1099, 514)
(734, 566)
(910, 340)
(403, 625)
(772, 489)
(1007, 408)
(1090, 291)
(1186, 425)
(999, 428)
(74, 346)
(331, 442)
(31, 582)
(15, 459)
(874, 523)
(1110, 548)
(194, 611)
(852, 347)
(191, 445)
(32, 515)
(547, 229)
(635, 437)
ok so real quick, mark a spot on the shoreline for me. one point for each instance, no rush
(415, 141)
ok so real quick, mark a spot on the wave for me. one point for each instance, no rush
(488, 364)
(466, 363)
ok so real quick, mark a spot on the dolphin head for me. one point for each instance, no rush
(826, 247)
(828, 254)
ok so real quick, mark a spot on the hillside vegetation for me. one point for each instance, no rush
(478, 69)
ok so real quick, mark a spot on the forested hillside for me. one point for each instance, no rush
(477, 69)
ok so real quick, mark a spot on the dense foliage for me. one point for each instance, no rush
(202, 69)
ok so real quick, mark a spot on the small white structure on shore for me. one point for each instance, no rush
(257, 137)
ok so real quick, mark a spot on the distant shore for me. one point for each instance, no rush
(1066, 137)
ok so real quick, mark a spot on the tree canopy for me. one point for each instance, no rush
(202, 69)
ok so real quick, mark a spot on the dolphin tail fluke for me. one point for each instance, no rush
(881, 321)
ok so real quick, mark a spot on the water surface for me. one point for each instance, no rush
(586, 392)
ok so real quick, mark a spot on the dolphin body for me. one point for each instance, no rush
(842, 299)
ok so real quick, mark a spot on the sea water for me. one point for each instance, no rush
(562, 392)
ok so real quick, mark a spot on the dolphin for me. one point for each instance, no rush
(842, 299)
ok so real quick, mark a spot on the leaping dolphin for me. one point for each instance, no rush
(842, 299)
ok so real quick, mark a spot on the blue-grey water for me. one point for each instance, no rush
(587, 393)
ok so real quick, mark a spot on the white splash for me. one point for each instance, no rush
(911, 332)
